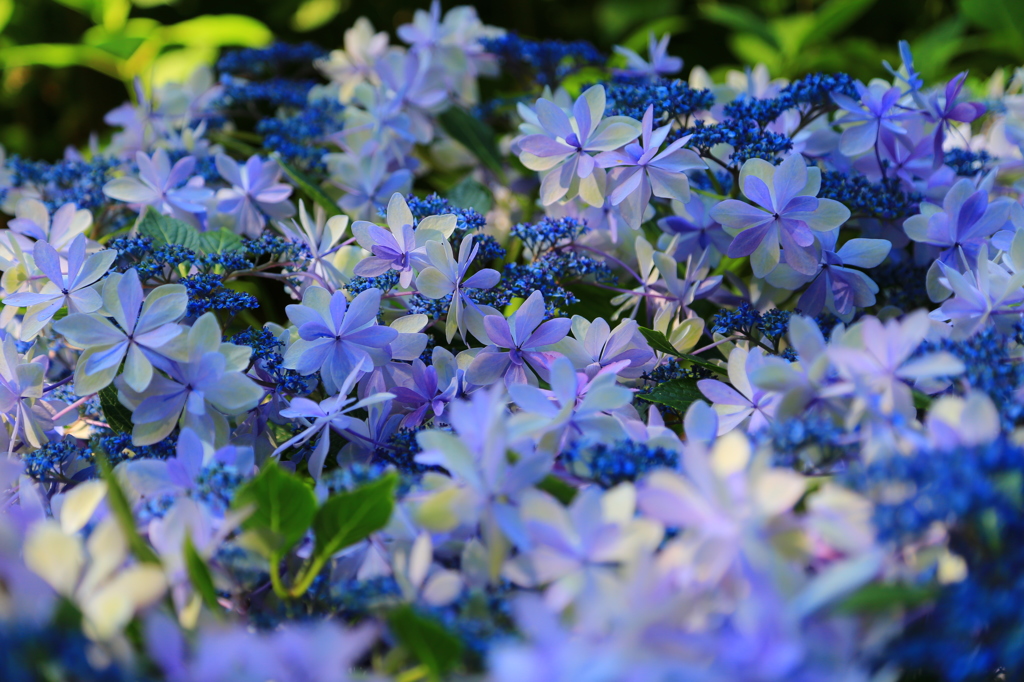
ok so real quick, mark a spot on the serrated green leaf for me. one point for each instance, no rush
(436, 648)
(221, 241)
(165, 230)
(475, 135)
(282, 504)
(307, 186)
(346, 518)
(117, 415)
(199, 575)
(678, 394)
(660, 343)
(119, 506)
(471, 194)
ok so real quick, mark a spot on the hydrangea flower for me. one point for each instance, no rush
(160, 185)
(742, 402)
(877, 358)
(695, 231)
(595, 346)
(517, 345)
(564, 150)
(785, 211)
(198, 393)
(330, 414)
(336, 337)
(255, 193)
(145, 328)
(877, 109)
(76, 290)
(647, 170)
(366, 181)
(447, 277)
(322, 236)
(32, 220)
(424, 392)
(835, 286)
(403, 246)
(353, 65)
(658, 62)
(577, 407)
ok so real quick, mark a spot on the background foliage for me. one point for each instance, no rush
(67, 62)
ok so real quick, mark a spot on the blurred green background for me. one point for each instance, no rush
(64, 63)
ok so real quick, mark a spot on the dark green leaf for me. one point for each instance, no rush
(884, 597)
(471, 194)
(678, 394)
(475, 135)
(167, 230)
(922, 401)
(660, 343)
(117, 415)
(199, 574)
(283, 506)
(307, 186)
(835, 16)
(557, 488)
(221, 241)
(122, 511)
(427, 639)
(346, 518)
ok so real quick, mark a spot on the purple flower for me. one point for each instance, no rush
(336, 337)
(944, 110)
(835, 286)
(446, 276)
(321, 418)
(647, 172)
(33, 221)
(875, 360)
(255, 193)
(366, 181)
(741, 402)
(785, 211)
(986, 292)
(516, 345)
(563, 152)
(74, 290)
(159, 186)
(401, 247)
(658, 62)
(877, 110)
(695, 230)
(144, 329)
(594, 346)
(198, 392)
(965, 222)
(422, 392)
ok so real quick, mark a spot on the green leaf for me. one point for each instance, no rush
(922, 401)
(221, 241)
(558, 489)
(660, 343)
(308, 187)
(165, 230)
(215, 30)
(878, 597)
(117, 415)
(471, 194)
(436, 648)
(199, 575)
(122, 511)
(283, 506)
(475, 135)
(835, 16)
(739, 19)
(347, 518)
(678, 394)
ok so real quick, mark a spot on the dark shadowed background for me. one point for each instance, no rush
(67, 62)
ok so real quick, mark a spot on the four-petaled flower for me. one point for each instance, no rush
(785, 211)
(255, 193)
(337, 337)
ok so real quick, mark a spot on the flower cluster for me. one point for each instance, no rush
(311, 374)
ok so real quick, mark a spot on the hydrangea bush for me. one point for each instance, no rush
(486, 358)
